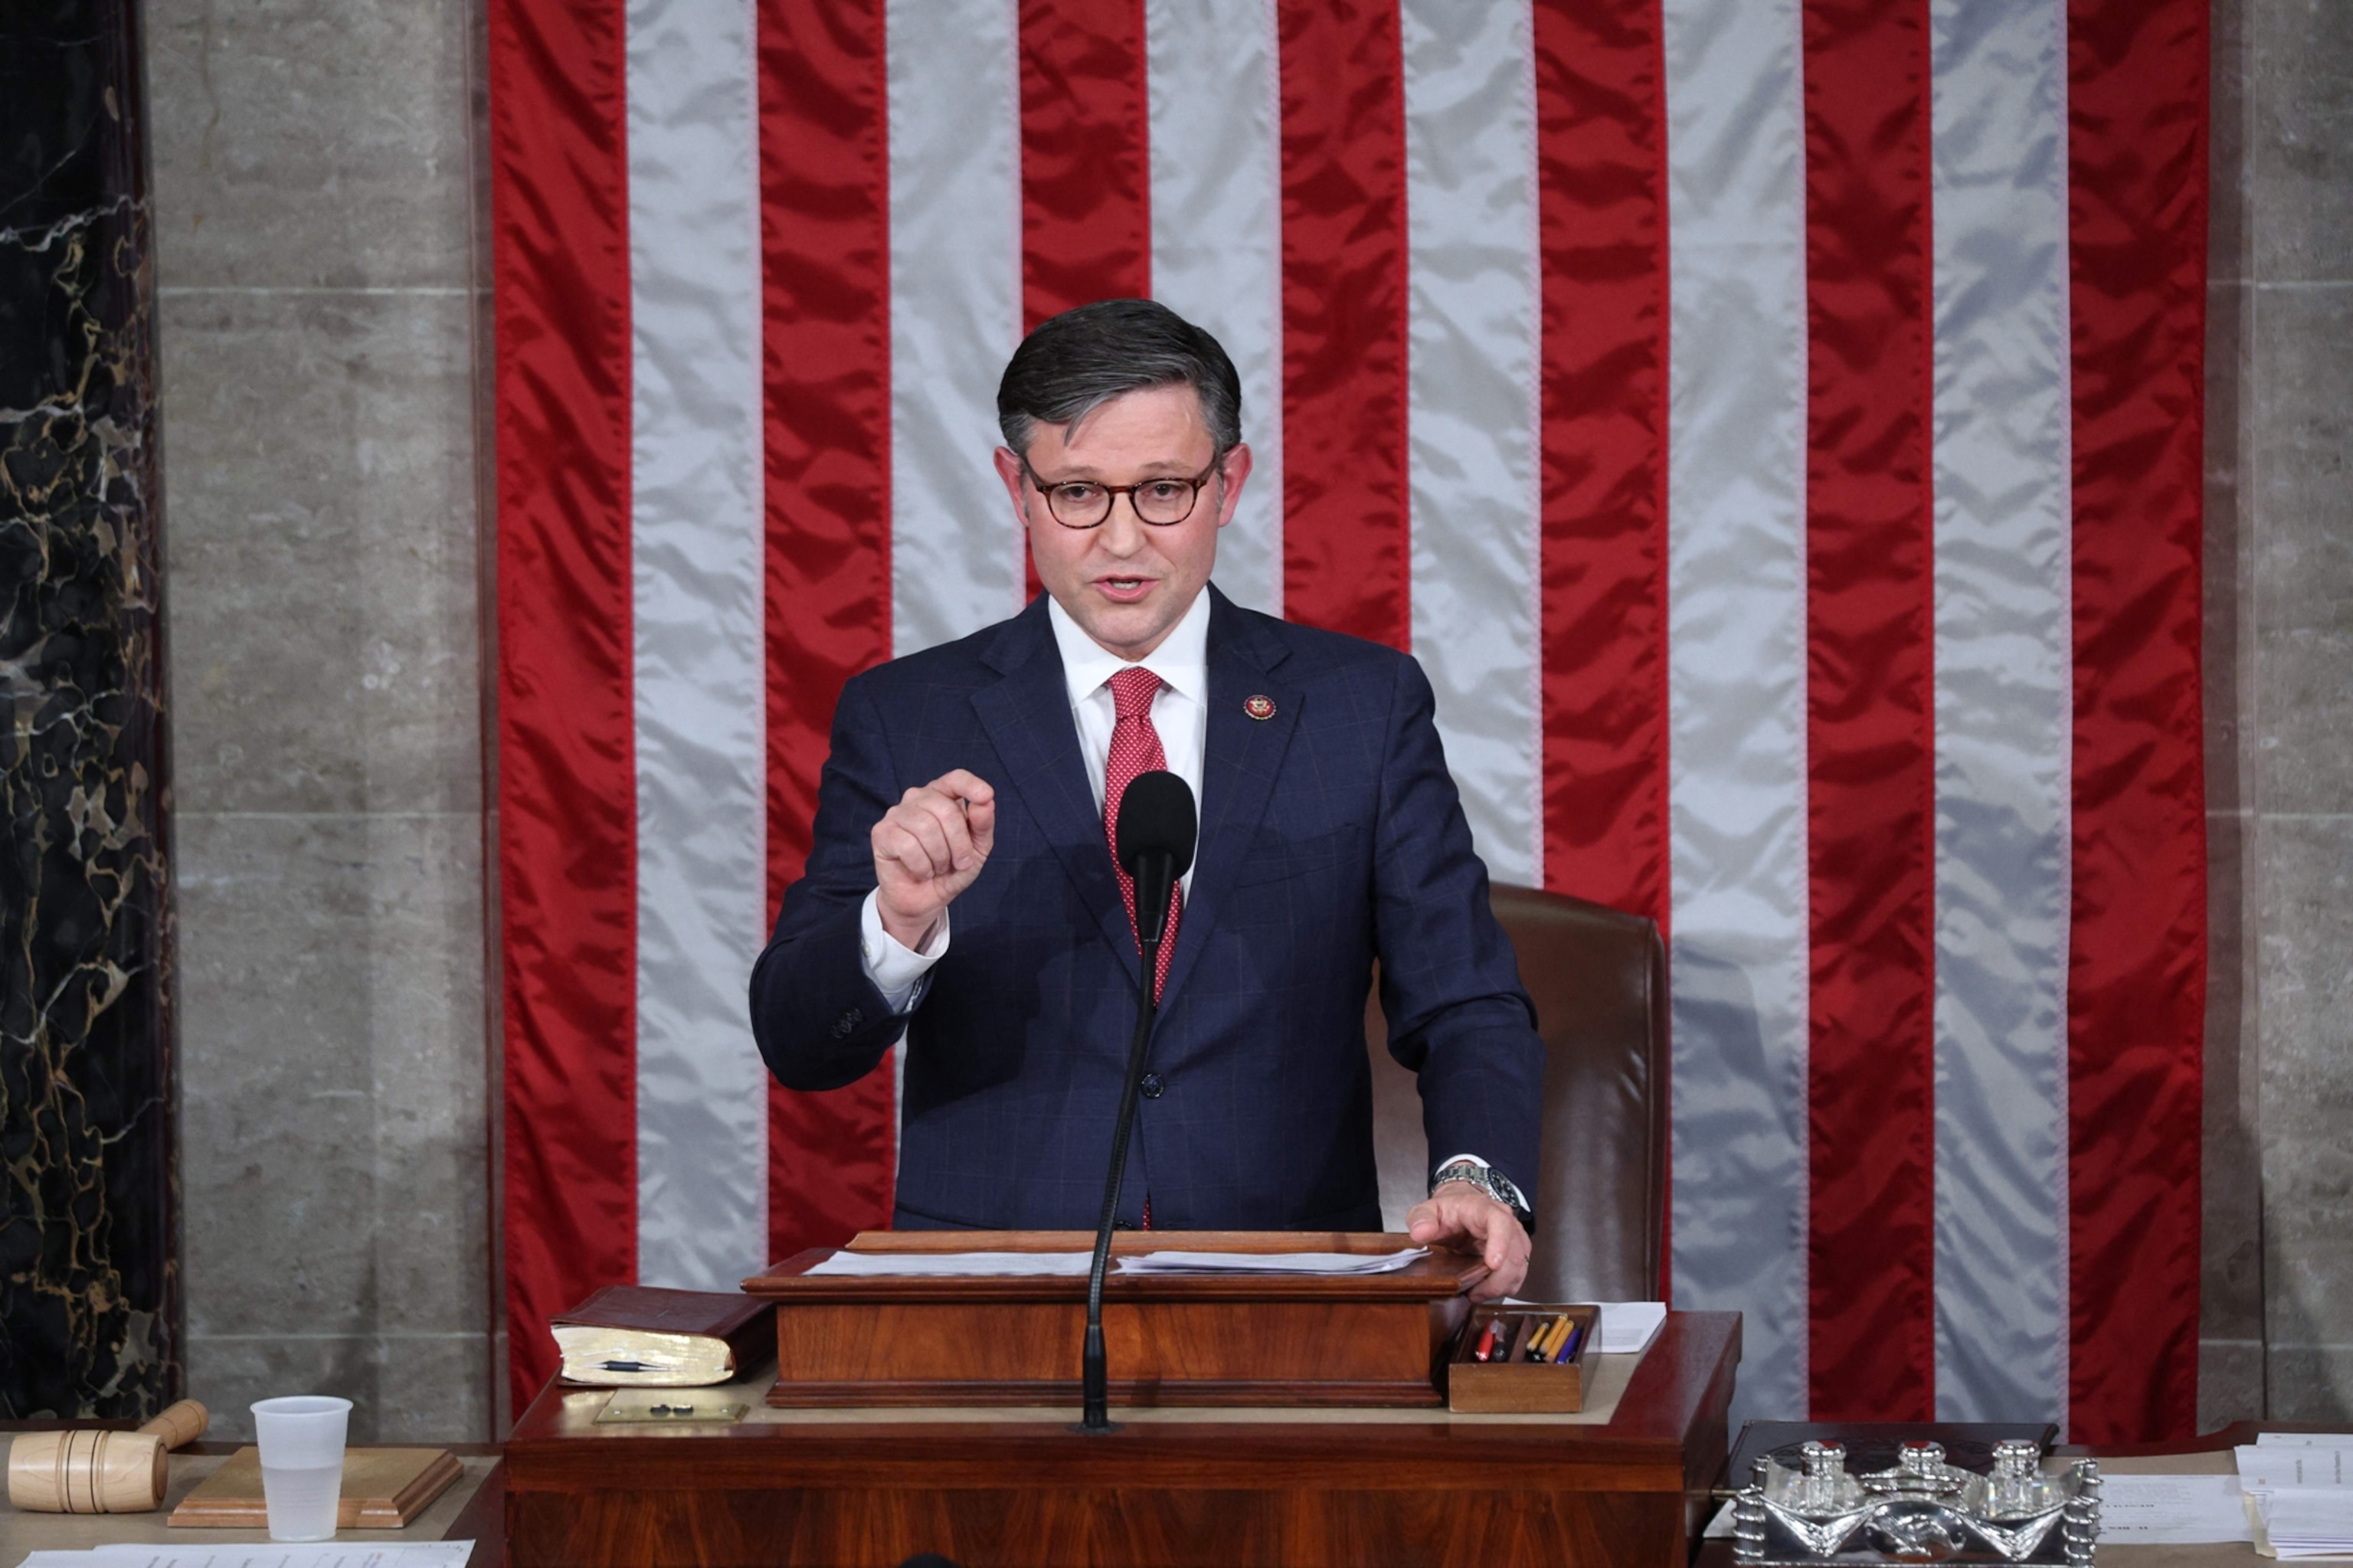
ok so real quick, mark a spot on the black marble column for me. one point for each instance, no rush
(87, 1292)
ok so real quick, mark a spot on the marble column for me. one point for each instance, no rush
(87, 1283)
(2277, 1334)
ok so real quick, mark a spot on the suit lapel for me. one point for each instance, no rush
(1243, 757)
(1027, 715)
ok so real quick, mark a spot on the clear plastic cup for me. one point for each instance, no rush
(301, 1441)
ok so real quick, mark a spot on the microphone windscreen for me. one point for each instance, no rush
(1157, 817)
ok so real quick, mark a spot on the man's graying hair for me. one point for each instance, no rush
(1076, 362)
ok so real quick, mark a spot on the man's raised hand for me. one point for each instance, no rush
(927, 849)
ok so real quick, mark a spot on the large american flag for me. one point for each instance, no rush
(1775, 427)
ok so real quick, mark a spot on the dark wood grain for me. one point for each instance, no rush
(965, 1351)
(1319, 1488)
(1141, 1526)
(483, 1522)
(1171, 1340)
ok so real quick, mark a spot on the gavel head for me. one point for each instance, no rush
(87, 1472)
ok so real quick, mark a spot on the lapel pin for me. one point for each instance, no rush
(1258, 707)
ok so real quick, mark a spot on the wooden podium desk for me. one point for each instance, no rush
(1232, 1487)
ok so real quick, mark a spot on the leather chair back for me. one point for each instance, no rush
(1599, 978)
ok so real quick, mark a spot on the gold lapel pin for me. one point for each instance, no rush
(1258, 707)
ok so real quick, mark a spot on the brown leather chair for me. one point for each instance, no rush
(1599, 978)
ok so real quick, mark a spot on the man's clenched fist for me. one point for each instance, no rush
(927, 849)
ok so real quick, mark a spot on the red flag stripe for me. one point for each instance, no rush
(1870, 743)
(1086, 178)
(1602, 177)
(1345, 515)
(566, 826)
(2136, 975)
(826, 281)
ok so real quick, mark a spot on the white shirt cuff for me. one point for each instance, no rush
(1461, 1158)
(897, 971)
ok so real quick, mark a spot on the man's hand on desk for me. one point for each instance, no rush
(1460, 1216)
(928, 848)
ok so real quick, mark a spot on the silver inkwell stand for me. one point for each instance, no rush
(1923, 1509)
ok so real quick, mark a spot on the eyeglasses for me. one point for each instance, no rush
(1083, 504)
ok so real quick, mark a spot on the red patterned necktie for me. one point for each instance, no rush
(1135, 748)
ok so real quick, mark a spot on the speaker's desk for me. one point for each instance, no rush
(1289, 1489)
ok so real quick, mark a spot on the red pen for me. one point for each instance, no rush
(1486, 1342)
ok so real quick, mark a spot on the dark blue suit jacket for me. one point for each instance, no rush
(1331, 834)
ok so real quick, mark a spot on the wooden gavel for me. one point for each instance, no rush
(86, 1471)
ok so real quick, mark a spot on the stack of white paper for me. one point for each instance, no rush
(945, 1265)
(2302, 1493)
(942, 1264)
(2315, 1523)
(1331, 1263)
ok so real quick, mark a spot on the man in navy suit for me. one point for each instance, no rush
(961, 891)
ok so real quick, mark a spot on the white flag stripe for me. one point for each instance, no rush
(1471, 332)
(2004, 696)
(956, 551)
(1736, 697)
(1217, 238)
(698, 663)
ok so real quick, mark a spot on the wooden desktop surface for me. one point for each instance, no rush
(1294, 1489)
(473, 1509)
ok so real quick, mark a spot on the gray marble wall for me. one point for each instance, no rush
(314, 234)
(2278, 1307)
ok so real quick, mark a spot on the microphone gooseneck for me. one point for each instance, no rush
(1156, 832)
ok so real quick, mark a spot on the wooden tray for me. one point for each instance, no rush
(1520, 1386)
(1192, 1339)
(384, 1489)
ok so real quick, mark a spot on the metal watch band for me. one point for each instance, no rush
(1493, 1182)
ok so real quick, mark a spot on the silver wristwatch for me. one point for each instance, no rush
(1493, 1182)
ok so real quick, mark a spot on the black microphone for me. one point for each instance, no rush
(1155, 831)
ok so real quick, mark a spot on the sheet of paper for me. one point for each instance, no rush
(1334, 1262)
(945, 1265)
(2161, 1510)
(272, 1554)
(2283, 1466)
(1630, 1326)
(2303, 1440)
(2312, 1522)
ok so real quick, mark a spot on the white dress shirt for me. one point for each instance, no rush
(1180, 712)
